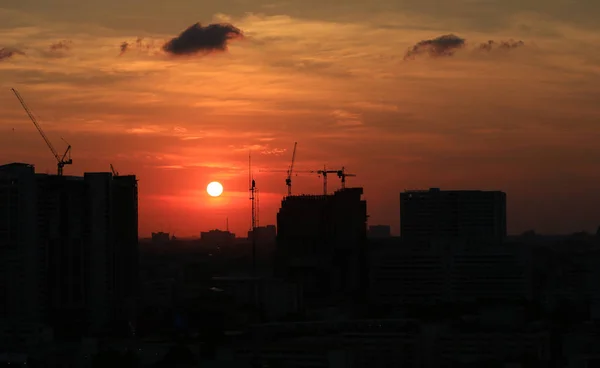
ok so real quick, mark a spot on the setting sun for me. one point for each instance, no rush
(214, 189)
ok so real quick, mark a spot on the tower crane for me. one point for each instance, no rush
(290, 171)
(324, 173)
(342, 174)
(63, 160)
(288, 180)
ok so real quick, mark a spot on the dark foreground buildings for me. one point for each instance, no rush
(453, 214)
(321, 244)
(68, 251)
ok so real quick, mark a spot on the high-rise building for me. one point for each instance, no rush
(76, 241)
(321, 242)
(454, 214)
(21, 252)
(125, 232)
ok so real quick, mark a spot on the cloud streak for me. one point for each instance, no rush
(61, 45)
(202, 39)
(448, 45)
(502, 45)
(139, 44)
(7, 53)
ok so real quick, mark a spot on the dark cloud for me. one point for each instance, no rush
(196, 39)
(61, 45)
(6, 53)
(502, 45)
(445, 45)
(124, 47)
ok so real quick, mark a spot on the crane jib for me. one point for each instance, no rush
(62, 161)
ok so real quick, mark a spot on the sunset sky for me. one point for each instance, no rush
(368, 85)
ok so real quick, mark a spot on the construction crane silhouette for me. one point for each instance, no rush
(63, 160)
(342, 174)
(114, 172)
(288, 180)
(290, 171)
(324, 173)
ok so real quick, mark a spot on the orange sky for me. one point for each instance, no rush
(331, 77)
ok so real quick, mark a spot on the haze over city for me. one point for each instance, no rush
(406, 96)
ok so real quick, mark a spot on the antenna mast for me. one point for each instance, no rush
(253, 199)
(257, 199)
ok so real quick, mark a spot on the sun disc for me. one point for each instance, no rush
(214, 189)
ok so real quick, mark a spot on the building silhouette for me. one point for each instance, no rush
(161, 238)
(264, 234)
(217, 237)
(70, 250)
(454, 214)
(379, 231)
(450, 273)
(321, 243)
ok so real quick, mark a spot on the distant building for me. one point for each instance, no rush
(455, 214)
(450, 272)
(402, 343)
(160, 238)
(264, 234)
(217, 238)
(266, 237)
(276, 298)
(379, 231)
(321, 242)
(75, 242)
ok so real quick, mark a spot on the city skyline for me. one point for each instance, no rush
(518, 119)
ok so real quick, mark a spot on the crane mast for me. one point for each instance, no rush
(342, 174)
(324, 173)
(63, 160)
(288, 180)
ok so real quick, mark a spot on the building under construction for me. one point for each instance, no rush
(321, 243)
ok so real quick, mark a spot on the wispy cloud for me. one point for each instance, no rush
(61, 45)
(346, 118)
(6, 53)
(501, 45)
